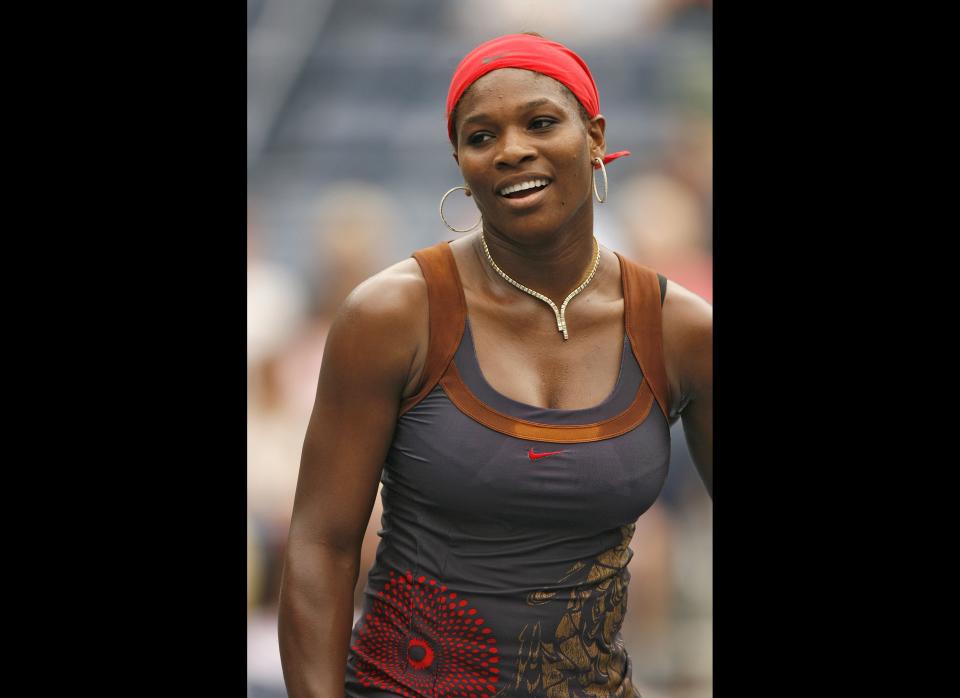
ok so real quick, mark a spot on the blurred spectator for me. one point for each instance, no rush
(646, 626)
(691, 625)
(665, 229)
(275, 432)
(275, 299)
(351, 239)
(688, 158)
(275, 307)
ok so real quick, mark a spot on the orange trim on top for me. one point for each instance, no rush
(448, 312)
(468, 403)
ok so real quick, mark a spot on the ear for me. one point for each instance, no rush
(595, 131)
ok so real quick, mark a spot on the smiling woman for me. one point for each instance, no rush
(515, 453)
(498, 141)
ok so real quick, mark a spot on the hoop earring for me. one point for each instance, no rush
(606, 186)
(465, 230)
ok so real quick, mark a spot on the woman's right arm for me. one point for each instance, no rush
(370, 362)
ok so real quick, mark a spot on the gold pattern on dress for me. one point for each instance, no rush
(585, 657)
(535, 598)
(575, 567)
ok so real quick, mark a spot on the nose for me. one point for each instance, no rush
(514, 148)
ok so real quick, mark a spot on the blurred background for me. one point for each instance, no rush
(347, 158)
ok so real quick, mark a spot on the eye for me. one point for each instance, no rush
(542, 122)
(478, 138)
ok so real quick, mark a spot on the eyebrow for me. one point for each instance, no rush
(532, 104)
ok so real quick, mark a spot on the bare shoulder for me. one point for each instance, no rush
(687, 343)
(384, 322)
(685, 313)
(393, 297)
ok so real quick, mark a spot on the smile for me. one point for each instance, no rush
(523, 189)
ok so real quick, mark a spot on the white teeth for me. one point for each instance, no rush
(523, 185)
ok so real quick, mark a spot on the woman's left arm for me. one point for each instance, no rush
(688, 344)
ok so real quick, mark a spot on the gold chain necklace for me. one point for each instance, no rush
(561, 320)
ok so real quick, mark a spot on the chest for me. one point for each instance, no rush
(524, 357)
(451, 467)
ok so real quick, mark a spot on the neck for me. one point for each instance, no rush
(554, 267)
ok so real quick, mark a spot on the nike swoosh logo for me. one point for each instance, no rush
(534, 456)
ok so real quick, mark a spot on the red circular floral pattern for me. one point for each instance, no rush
(418, 639)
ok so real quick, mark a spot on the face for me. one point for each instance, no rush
(514, 127)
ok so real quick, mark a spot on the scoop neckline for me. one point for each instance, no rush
(523, 406)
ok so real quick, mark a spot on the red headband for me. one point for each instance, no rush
(529, 53)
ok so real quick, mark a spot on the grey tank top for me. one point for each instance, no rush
(502, 564)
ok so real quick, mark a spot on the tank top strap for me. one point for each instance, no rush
(642, 300)
(448, 312)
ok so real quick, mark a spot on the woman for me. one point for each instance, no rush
(514, 389)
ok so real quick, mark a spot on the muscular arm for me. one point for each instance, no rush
(367, 362)
(688, 346)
